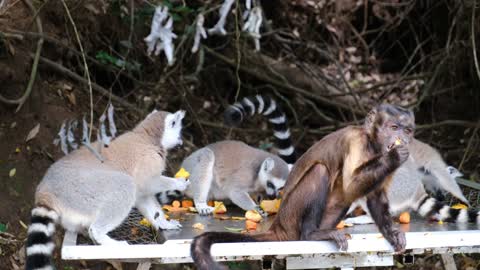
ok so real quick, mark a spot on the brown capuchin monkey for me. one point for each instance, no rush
(353, 162)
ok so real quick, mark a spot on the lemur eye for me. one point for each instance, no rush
(270, 185)
(408, 130)
(394, 127)
(173, 123)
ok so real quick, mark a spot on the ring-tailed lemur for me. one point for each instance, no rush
(83, 193)
(234, 170)
(266, 106)
(407, 191)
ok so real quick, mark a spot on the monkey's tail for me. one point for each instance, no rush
(268, 107)
(200, 248)
(431, 207)
(40, 244)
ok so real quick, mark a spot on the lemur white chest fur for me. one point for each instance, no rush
(232, 170)
(407, 191)
(84, 194)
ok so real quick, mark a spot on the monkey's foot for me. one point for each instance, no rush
(397, 239)
(339, 238)
(168, 225)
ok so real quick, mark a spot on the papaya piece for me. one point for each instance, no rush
(176, 204)
(270, 206)
(187, 203)
(404, 218)
(250, 225)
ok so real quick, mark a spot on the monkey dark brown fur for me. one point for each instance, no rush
(353, 162)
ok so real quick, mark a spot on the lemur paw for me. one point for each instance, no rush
(260, 211)
(169, 225)
(205, 210)
(182, 184)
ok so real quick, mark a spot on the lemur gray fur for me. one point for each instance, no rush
(84, 194)
(232, 169)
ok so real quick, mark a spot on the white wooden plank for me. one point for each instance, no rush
(179, 250)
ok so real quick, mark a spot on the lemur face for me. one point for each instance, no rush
(172, 135)
(270, 182)
(273, 187)
(454, 173)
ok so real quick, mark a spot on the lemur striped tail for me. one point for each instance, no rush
(266, 106)
(40, 244)
(430, 207)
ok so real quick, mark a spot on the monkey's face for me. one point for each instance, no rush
(394, 132)
(391, 126)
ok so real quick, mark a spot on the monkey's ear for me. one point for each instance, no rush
(267, 165)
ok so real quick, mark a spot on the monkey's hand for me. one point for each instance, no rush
(400, 153)
(397, 239)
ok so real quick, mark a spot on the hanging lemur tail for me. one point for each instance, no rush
(267, 106)
(40, 244)
(200, 248)
(431, 207)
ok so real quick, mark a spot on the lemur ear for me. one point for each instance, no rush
(267, 165)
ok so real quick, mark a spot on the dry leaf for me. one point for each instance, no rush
(12, 172)
(33, 133)
(71, 97)
(23, 225)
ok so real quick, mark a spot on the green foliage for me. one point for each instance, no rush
(239, 265)
(108, 59)
(3, 227)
